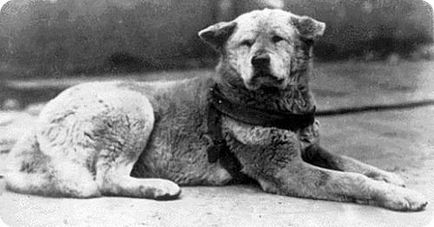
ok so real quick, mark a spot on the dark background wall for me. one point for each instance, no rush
(75, 37)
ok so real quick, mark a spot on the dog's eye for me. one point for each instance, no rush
(247, 43)
(276, 39)
(308, 42)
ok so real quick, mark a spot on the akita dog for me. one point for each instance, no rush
(252, 120)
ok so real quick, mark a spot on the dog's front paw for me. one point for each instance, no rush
(402, 199)
(388, 177)
(166, 190)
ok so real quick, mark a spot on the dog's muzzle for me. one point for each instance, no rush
(261, 61)
(262, 73)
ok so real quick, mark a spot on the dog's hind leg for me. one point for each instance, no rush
(123, 142)
(31, 171)
(114, 179)
(318, 156)
(74, 182)
(113, 170)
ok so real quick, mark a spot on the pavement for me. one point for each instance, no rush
(398, 140)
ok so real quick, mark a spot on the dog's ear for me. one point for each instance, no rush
(307, 27)
(216, 35)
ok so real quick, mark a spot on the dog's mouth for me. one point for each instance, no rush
(266, 79)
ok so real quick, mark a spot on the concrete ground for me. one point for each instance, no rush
(400, 140)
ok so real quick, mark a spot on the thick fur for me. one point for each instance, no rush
(145, 139)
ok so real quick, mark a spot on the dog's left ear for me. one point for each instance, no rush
(216, 35)
(307, 27)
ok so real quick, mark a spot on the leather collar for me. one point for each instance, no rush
(219, 105)
(262, 117)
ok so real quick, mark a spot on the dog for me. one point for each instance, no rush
(253, 120)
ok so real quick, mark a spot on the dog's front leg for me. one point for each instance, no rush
(318, 156)
(303, 180)
(273, 157)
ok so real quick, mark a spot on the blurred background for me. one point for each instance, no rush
(66, 39)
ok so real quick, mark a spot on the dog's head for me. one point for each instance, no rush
(266, 48)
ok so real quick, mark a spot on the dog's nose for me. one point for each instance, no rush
(261, 60)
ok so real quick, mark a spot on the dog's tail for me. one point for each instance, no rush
(24, 166)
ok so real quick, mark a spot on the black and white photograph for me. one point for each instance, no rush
(217, 113)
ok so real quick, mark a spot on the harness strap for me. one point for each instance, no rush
(254, 116)
(219, 105)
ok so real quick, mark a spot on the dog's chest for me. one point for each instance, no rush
(267, 149)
